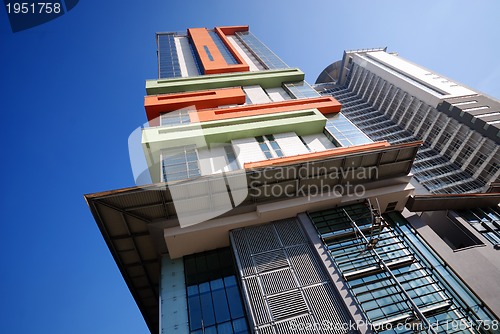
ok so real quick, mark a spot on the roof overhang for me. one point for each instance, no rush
(132, 220)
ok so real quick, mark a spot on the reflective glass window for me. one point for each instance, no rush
(267, 58)
(214, 300)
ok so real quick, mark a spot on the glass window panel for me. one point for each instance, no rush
(225, 328)
(180, 163)
(194, 308)
(220, 301)
(207, 309)
(233, 297)
(213, 294)
(228, 57)
(210, 330)
(240, 326)
(266, 57)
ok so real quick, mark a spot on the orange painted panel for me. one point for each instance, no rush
(216, 63)
(156, 104)
(231, 30)
(325, 104)
(317, 155)
(222, 32)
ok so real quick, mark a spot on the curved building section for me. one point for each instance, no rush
(330, 73)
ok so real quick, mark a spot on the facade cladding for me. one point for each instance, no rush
(366, 203)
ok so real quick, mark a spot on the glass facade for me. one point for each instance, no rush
(265, 142)
(263, 146)
(179, 163)
(267, 58)
(231, 158)
(393, 276)
(228, 57)
(168, 66)
(214, 300)
(300, 90)
(174, 118)
(343, 133)
(484, 220)
(196, 58)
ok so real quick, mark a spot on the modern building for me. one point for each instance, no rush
(365, 204)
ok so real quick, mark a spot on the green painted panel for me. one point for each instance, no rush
(303, 122)
(266, 79)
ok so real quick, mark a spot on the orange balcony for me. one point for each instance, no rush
(157, 104)
(325, 104)
(211, 58)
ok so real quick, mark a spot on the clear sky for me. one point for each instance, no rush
(72, 92)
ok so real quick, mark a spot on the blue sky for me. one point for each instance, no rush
(72, 92)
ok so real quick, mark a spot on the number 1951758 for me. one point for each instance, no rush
(33, 8)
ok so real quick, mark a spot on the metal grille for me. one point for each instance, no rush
(287, 305)
(284, 283)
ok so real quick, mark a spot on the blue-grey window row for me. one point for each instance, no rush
(168, 61)
(275, 147)
(209, 54)
(343, 132)
(378, 291)
(175, 118)
(261, 52)
(180, 163)
(196, 58)
(231, 158)
(214, 300)
(300, 90)
(228, 56)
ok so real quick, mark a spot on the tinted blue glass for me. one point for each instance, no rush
(207, 308)
(220, 301)
(275, 145)
(301, 90)
(344, 132)
(194, 307)
(196, 58)
(225, 328)
(233, 297)
(262, 52)
(228, 57)
(208, 53)
(167, 56)
(210, 330)
(214, 302)
(240, 326)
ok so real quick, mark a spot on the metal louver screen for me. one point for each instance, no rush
(284, 284)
